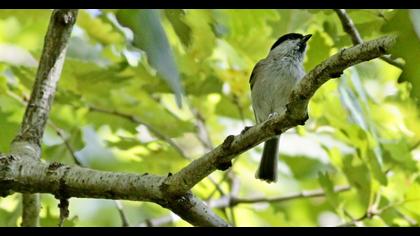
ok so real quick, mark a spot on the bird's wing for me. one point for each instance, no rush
(254, 73)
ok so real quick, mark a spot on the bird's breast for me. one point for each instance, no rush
(272, 88)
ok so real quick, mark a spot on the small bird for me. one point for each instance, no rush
(272, 81)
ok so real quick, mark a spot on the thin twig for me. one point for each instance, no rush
(371, 213)
(304, 194)
(234, 191)
(223, 179)
(354, 34)
(160, 221)
(416, 145)
(136, 120)
(60, 134)
(202, 133)
(203, 136)
(123, 217)
(226, 201)
(235, 100)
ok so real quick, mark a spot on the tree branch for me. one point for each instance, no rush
(32, 176)
(352, 31)
(27, 143)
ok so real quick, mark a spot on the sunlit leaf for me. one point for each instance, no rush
(357, 174)
(407, 47)
(176, 17)
(150, 37)
(318, 51)
(97, 29)
(328, 187)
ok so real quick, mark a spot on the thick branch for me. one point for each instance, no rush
(296, 114)
(27, 175)
(48, 74)
(27, 142)
(352, 31)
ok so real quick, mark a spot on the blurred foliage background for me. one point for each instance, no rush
(150, 90)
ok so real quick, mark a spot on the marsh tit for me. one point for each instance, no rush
(272, 81)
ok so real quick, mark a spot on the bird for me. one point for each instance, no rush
(272, 80)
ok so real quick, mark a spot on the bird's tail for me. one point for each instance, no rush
(267, 170)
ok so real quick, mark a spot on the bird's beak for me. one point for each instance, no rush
(306, 37)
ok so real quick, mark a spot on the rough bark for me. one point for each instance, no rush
(27, 143)
(63, 181)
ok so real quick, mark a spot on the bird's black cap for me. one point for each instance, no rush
(289, 36)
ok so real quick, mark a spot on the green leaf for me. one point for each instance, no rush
(97, 29)
(364, 16)
(80, 49)
(227, 107)
(28, 15)
(76, 140)
(376, 169)
(8, 131)
(58, 153)
(399, 153)
(358, 176)
(317, 52)
(328, 187)
(201, 85)
(182, 30)
(92, 81)
(25, 75)
(115, 122)
(124, 143)
(244, 25)
(407, 47)
(305, 167)
(3, 84)
(149, 36)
